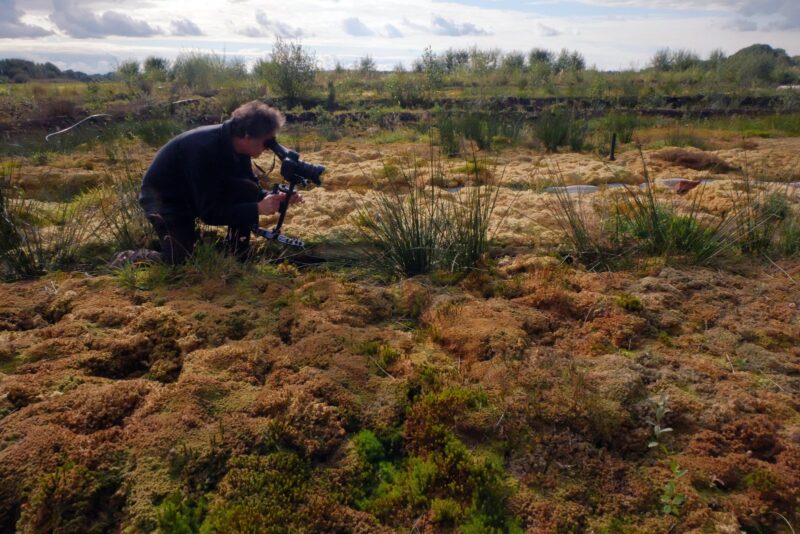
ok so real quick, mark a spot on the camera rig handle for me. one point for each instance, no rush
(296, 172)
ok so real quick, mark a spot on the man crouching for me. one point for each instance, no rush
(207, 173)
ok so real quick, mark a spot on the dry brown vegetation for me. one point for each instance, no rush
(113, 399)
(527, 394)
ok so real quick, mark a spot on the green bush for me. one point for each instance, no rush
(585, 239)
(552, 127)
(622, 124)
(644, 224)
(290, 71)
(449, 135)
(156, 132)
(758, 215)
(205, 73)
(156, 69)
(407, 228)
(484, 128)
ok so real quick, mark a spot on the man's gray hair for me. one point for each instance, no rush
(255, 119)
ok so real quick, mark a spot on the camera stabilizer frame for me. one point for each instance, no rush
(297, 173)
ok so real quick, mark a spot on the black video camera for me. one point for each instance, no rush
(294, 169)
(296, 172)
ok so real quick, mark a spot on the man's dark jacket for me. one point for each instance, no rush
(191, 176)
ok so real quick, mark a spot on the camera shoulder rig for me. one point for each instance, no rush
(297, 173)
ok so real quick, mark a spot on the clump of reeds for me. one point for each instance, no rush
(637, 224)
(557, 126)
(123, 218)
(419, 227)
(36, 237)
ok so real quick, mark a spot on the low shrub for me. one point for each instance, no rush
(622, 124)
(558, 126)
(486, 129)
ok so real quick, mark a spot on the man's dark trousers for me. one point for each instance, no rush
(178, 233)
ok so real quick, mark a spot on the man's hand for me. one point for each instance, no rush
(272, 202)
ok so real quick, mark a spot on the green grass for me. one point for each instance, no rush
(418, 227)
(637, 224)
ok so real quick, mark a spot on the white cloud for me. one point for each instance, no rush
(443, 26)
(185, 27)
(82, 23)
(267, 27)
(353, 26)
(547, 31)
(392, 32)
(446, 27)
(785, 12)
(11, 25)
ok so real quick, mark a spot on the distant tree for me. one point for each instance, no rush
(290, 70)
(683, 59)
(674, 60)
(455, 60)
(47, 70)
(513, 62)
(433, 69)
(128, 72)
(759, 62)
(156, 69)
(366, 66)
(206, 73)
(330, 103)
(661, 60)
(569, 61)
(22, 70)
(717, 57)
(540, 56)
(404, 88)
(484, 60)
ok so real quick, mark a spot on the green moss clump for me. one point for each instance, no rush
(73, 498)
(382, 354)
(457, 486)
(629, 302)
(762, 480)
(260, 493)
(430, 420)
(178, 514)
(368, 447)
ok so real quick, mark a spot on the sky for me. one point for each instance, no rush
(94, 36)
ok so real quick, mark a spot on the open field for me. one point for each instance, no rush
(572, 344)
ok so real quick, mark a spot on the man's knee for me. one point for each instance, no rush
(176, 235)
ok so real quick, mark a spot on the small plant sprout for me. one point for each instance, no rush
(671, 500)
(661, 410)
